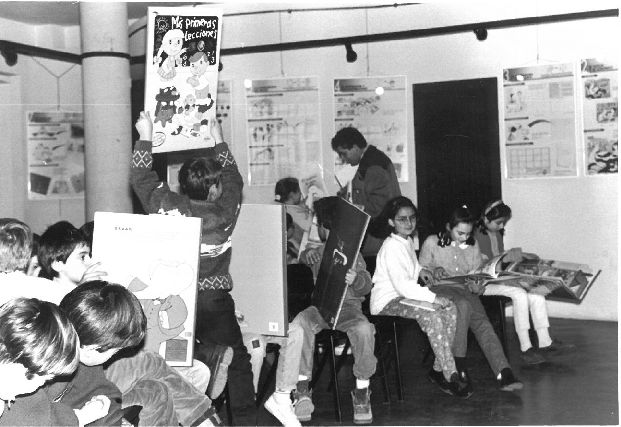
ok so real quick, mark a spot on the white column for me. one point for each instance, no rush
(106, 87)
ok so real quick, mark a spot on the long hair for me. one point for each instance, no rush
(15, 245)
(459, 215)
(380, 227)
(492, 211)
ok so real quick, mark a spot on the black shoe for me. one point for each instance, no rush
(459, 389)
(508, 382)
(217, 358)
(464, 378)
(557, 347)
(438, 379)
(531, 357)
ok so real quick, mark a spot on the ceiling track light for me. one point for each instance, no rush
(351, 54)
(481, 33)
(9, 56)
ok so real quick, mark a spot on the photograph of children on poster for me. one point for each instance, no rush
(181, 81)
(156, 257)
(600, 115)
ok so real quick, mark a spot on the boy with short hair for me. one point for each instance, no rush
(211, 189)
(351, 320)
(144, 378)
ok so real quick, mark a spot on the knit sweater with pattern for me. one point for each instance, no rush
(218, 217)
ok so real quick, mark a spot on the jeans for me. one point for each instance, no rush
(360, 331)
(216, 323)
(165, 396)
(471, 314)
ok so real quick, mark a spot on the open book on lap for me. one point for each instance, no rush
(557, 280)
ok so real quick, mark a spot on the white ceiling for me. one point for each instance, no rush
(67, 12)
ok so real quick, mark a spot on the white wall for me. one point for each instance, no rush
(572, 219)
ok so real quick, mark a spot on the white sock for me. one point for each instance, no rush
(544, 337)
(281, 396)
(524, 338)
(302, 378)
(362, 383)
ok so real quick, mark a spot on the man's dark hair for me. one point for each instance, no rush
(347, 138)
(105, 315)
(56, 244)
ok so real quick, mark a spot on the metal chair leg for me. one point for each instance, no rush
(336, 391)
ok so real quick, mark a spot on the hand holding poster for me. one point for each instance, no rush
(183, 54)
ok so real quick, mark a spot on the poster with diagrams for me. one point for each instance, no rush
(157, 258)
(283, 128)
(55, 155)
(376, 106)
(181, 75)
(600, 111)
(540, 117)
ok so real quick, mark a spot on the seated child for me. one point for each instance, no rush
(488, 234)
(396, 278)
(454, 253)
(143, 377)
(296, 359)
(107, 318)
(37, 344)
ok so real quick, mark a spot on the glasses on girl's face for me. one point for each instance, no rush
(406, 219)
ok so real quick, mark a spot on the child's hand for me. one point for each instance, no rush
(93, 410)
(310, 256)
(350, 276)
(440, 273)
(93, 272)
(216, 130)
(442, 301)
(144, 126)
(427, 277)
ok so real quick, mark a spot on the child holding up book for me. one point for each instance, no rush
(488, 233)
(454, 252)
(396, 280)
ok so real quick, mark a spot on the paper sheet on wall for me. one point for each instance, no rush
(600, 115)
(55, 155)
(540, 117)
(283, 128)
(156, 257)
(181, 81)
(379, 114)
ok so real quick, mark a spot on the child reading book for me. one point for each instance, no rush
(396, 284)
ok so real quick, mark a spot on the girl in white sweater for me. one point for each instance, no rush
(396, 291)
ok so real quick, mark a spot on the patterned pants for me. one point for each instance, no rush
(439, 326)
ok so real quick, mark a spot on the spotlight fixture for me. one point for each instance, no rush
(9, 56)
(351, 54)
(481, 33)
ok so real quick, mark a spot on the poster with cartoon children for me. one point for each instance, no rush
(181, 82)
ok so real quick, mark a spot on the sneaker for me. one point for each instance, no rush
(218, 359)
(303, 404)
(508, 382)
(283, 411)
(361, 399)
(531, 357)
(457, 388)
(557, 347)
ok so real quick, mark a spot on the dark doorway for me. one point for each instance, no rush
(457, 152)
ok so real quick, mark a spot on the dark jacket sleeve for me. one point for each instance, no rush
(154, 195)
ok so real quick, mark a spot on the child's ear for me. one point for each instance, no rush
(448, 227)
(57, 266)
(391, 222)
